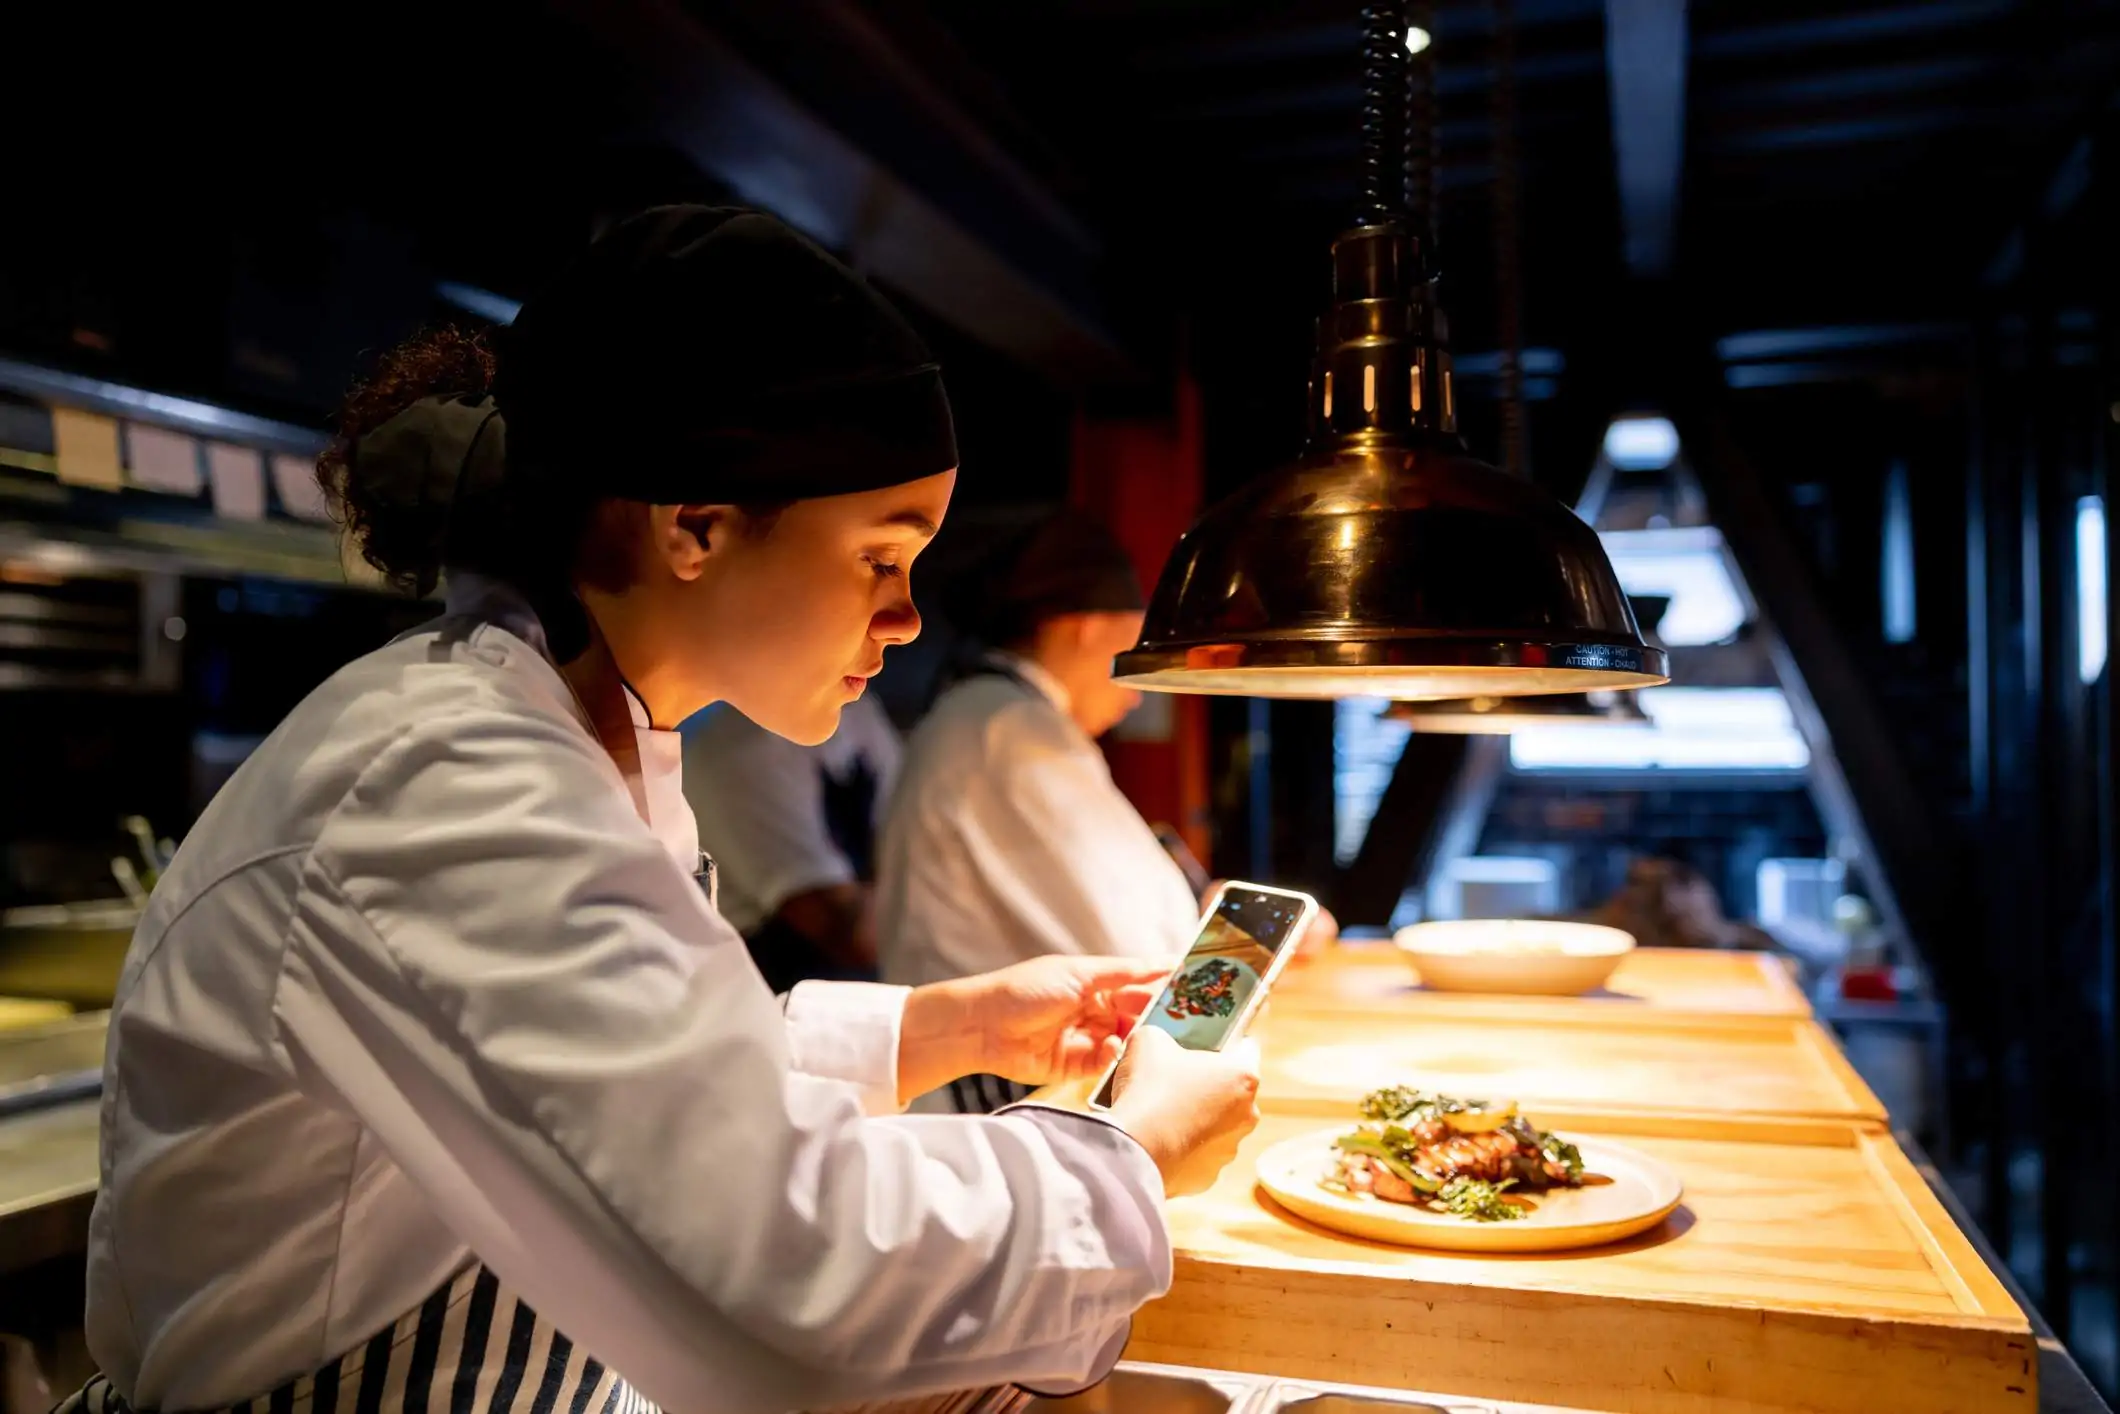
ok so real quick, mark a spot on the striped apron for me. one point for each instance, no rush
(473, 1347)
(984, 1094)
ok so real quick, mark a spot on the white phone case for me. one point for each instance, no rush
(1100, 1096)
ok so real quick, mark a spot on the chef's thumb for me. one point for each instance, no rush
(1152, 1038)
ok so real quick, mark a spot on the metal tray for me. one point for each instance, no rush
(1309, 1397)
(48, 1065)
(1137, 1388)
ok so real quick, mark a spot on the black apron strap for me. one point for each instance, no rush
(984, 1094)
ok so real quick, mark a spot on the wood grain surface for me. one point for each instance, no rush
(1809, 1268)
(1649, 986)
(1321, 1062)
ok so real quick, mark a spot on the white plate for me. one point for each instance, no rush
(1639, 1193)
(1524, 956)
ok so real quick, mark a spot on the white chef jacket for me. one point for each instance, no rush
(1008, 839)
(760, 802)
(422, 984)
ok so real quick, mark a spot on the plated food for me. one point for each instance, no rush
(1209, 989)
(1426, 1170)
(1469, 1158)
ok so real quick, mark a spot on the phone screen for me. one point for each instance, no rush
(1209, 995)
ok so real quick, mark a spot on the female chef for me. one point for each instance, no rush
(434, 1080)
(1006, 837)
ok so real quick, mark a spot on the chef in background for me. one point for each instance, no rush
(792, 831)
(1006, 837)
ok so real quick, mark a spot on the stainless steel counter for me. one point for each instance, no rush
(47, 1182)
(50, 1079)
(1138, 1388)
(48, 1064)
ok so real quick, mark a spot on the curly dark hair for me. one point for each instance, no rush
(399, 540)
(520, 530)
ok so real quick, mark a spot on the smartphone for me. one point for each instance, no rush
(1246, 937)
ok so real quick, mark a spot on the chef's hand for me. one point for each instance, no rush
(1323, 932)
(1049, 1019)
(1189, 1109)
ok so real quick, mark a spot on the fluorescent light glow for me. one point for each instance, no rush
(2090, 588)
(484, 303)
(1688, 566)
(1691, 729)
(1417, 39)
(1641, 443)
(1898, 556)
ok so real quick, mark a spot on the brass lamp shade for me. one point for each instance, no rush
(1499, 716)
(1385, 561)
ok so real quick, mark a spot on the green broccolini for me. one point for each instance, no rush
(1457, 1156)
(1479, 1200)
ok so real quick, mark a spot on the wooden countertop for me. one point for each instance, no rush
(1585, 1060)
(1650, 985)
(1806, 1216)
(1810, 1268)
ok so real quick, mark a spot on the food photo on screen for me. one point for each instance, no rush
(1234, 950)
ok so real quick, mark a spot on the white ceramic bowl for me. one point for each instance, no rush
(1520, 955)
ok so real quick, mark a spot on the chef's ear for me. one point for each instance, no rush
(684, 536)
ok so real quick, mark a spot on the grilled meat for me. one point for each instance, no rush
(1493, 1157)
(1422, 1145)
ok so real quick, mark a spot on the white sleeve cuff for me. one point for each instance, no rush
(848, 1031)
(1130, 1220)
(1131, 1188)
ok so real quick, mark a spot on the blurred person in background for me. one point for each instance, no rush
(1007, 837)
(792, 832)
(1667, 903)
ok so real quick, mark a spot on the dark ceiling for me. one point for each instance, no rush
(238, 198)
(1840, 161)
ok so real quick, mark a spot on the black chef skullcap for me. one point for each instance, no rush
(712, 354)
(1065, 562)
(430, 471)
